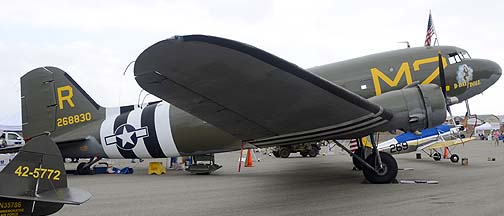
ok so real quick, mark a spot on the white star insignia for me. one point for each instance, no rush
(125, 136)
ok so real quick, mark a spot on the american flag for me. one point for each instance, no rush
(430, 31)
(353, 145)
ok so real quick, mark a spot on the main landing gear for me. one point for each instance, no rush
(85, 168)
(454, 158)
(378, 168)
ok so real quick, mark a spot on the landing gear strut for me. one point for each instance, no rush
(378, 168)
(85, 168)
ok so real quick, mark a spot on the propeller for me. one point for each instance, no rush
(448, 101)
(442, 77)
(442, 82)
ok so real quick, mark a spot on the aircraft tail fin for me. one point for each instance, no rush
(53, 102)
(35, 181)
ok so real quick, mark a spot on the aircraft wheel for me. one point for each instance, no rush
(83, 171)
(454, 158)
(436, 156)
(304, 154)
(387, 174)
(276, 154)
(284, 152)
(313, 152)
(357, 164)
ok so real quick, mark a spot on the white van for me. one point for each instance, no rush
(11, 139)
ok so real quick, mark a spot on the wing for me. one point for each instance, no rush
(448, 143)
(252, 94)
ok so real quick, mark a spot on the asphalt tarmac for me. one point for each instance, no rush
(325, 185)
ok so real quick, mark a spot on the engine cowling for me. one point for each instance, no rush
(415, 107)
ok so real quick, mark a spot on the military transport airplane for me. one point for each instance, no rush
(219, 94)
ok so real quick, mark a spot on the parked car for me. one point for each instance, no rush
(8, 138)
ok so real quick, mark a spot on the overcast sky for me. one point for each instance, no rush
(95, 40)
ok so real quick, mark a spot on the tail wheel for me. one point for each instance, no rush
(313, 152)
(386, 174)
(284, 152)
(454, 158)
(436, 156)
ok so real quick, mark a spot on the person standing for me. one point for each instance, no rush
(173, 162)
(496, 135)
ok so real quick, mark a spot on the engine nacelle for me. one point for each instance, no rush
(414, 108)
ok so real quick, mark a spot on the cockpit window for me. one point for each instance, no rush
(454, 58)
(465, 55)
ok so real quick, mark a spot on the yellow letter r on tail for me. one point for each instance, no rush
(67, 97)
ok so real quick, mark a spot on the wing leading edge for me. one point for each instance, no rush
(252, 94)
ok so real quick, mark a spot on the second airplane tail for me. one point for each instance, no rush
(34, 182)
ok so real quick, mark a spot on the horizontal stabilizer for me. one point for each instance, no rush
(10, 149)
(72, 196)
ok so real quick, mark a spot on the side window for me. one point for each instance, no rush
(11, 136)
(466, 55)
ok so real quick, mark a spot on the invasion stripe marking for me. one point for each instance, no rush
(126, 109)
(151, 142)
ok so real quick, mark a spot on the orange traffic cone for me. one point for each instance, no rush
(248, 161)
(446, 152)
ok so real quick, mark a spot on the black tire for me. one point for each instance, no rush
(284, 152)
(276, 154)
(387, 174)
(304, 154)
(454, 158)
(313, 152)
(357, 164)
(83, 171)
(436, 156)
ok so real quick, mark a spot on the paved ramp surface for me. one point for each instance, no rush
(303, 186)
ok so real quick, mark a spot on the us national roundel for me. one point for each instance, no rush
(126, 136)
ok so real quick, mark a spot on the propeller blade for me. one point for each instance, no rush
(442, 77)
(442, 81)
